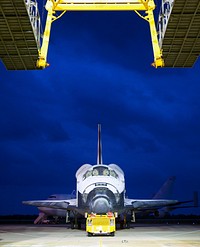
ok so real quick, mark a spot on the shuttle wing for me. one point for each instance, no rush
(140, 205)
(56, 204)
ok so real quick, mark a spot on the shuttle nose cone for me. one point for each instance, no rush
(100, 205)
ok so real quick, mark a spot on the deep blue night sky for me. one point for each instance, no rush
(100, 73)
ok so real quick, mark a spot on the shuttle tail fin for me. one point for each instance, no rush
(99, 151)
(166, 190)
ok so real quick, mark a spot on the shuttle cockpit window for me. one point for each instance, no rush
(113, 174)
(95, 172)
(106, 172)
(88, 174)
(100, 171)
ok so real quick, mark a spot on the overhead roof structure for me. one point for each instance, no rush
(19, 34)
(179, 32)
(54, 6)
(20, 28)
(178, 29)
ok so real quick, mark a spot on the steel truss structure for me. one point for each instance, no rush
(33, 12)
(179, 32)
(19, 34)
(53, 6)
(176, 43)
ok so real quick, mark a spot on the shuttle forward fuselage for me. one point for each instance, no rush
(100, 188)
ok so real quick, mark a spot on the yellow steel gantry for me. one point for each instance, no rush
(99, 5)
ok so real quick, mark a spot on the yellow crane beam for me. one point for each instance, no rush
(100, 5)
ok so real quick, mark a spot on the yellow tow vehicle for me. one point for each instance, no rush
(103, 224)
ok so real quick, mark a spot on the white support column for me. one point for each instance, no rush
(133, 216)
(165, 12)
(32, 8)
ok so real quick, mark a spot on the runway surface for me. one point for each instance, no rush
(139, 236)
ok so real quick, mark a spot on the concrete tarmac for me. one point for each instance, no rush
(139, 236)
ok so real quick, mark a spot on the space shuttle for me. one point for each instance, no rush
(100, 189)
